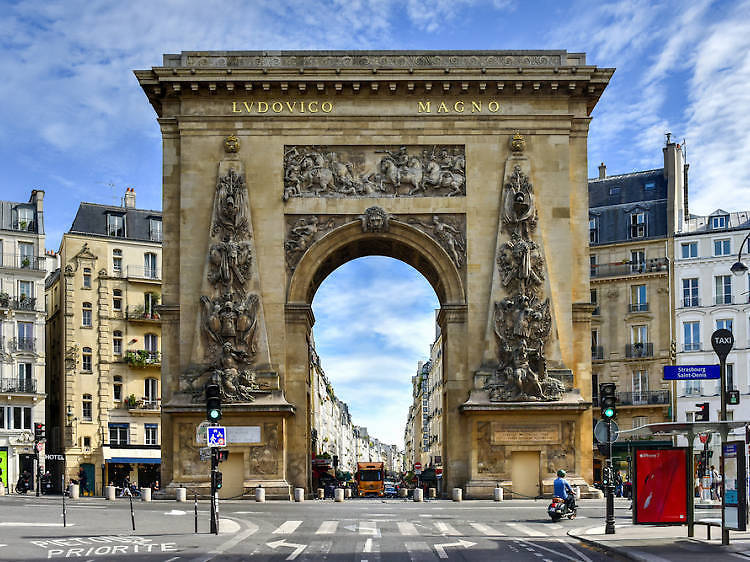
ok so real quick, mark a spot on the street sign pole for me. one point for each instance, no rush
(722, 341)
(609, 527)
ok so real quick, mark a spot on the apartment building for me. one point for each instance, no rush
(707, 296)
(103, 343)
(22, 345)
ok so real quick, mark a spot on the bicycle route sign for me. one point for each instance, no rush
(217, 436)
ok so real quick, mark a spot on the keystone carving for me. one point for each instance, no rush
(231, 144)
(375, 219)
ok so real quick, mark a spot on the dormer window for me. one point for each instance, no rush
(116, 226)
(593, 231)
(649, 185)
(154, 227)
(638, 225)
(614, 190)
(719, 222)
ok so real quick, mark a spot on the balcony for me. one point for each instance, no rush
(723, 299)
(635, 350)
(644, 398)
(143, 404)
(638, 307)
(692, 346)
(691, 302)
(25, 303)
(24, 226)
(140, 314)
(144, 273)
(143, 358)
(18, 385)
(597, 353)
(625, 268)
(21, 261)
(23, 345)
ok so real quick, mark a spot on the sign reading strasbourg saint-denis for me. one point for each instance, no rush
(691, 372)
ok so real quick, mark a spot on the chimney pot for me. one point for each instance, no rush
(129, 198)
(602, 171)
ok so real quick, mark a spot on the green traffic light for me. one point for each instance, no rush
(609, 413)
(214, 414)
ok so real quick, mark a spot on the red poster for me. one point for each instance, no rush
(661, 486)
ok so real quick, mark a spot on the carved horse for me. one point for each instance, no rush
(411, 174)
(313, 174)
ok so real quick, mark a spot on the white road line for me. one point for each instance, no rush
(31, 524)
(172, 559)
(578, 552)
(287, 528)
(555, 552)
(525, 530)
(231, 543)
(419, 552)
(327, 528)
(368, 546)
(445, 529)
(487, 530)
(406, 528)
(369, 528)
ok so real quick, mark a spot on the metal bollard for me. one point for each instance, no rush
(320, 493)
(260, 494)
(497, 495)
(145, 494)
(181, 495)
(109, 493)
(75, 491)
(418, 495)
(432, 493)
(457, 494)
(338, 495)
(299, 495)
(403, 493)
(347, 493)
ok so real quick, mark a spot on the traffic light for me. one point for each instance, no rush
(335, 461)
(607, 400)
(733, 397)
(213, 402)
(39, 434)
(702, 414)
(221, 455)
(217, 480)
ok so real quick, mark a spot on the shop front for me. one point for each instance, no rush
(132, 466)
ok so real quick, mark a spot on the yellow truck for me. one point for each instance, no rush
(370, 479)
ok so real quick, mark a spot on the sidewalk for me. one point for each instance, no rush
(650, 542)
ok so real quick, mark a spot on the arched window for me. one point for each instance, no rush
(117, 300)
(117, 388)
(117, 342)
(87, 277)
(86, 316)
(117, 262)
(87, 407)
(86, 360)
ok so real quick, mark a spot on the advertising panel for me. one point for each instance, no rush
(4, 467)
(734, 501)
(660, 487)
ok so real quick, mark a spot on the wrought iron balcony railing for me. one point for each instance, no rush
(22, 261)
(690, 302)
(634, 350)
(143, 358)
(142, 404)
(14, 384)
(144, 272)
(25, 303)
(643, 398)
(23, 344)
(139, 313)
(24, 226)
(597, 352)
(627, 268)
(638, 307)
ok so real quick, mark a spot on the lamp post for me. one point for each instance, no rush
(739, 268)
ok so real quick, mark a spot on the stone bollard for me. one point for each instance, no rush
(181, 495)
(457, 494)
(299, 495)
(146, 494)
(432, 493)
(260, 494)
(320, 493)
(109, 493)
(338, 495)
(418, 495)
(2, 489)
(497, 495)
(75, 491)
(347, 493)
(403, 493)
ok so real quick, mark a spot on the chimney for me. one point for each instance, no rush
(602, 171)
(130, 198)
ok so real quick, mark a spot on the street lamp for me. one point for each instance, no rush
(740, 268)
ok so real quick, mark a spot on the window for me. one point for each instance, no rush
(150, 300)
(117, 300)
(690, 417)
(25, 254)
(117, 342)
(25, 290)
(87, 442)
(730, 377)
(595, 302)
(640, 387)
(724, 323)
(692, 336)
(16, 417)
(640, 421)
(151, 342)
(723, 289)
(116, 225)
(117, 388)
(25, 336)
(87, 407)
(690, 293)
(87, 277)
(722, 247)
(118, 433)
(639, 334)
(689, 250)
(593, 231)
(693, 387)
(638, 261)
(638, 225)
(86, 315)
(117, 266)
(638, 301)
(592, 263)
(152, 433)
(149, 266)
(614, 190)
(25, 218)
(719, 222)
(86, 360)
(649, 185)
(24, 373)
(151, 390)
(154, 230)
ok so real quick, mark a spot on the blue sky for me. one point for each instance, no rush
(75, 123)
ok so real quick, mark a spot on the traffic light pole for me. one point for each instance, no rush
(214, 492)
(723, 363)
(609, 526)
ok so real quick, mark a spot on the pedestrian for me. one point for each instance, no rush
(618, 484)
(83, 481)
(714, 483)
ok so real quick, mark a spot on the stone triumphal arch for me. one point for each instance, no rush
(470, 166)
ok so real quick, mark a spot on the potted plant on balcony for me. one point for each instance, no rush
(4, 300)
(25, 262)
(137, 358)
(23, 224)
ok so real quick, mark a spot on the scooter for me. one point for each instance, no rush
(23, 485)
(558, 509)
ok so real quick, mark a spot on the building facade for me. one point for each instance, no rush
(707, 296)
(104, 343)
(22, 345)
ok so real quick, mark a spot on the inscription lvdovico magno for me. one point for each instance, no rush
(298, 107)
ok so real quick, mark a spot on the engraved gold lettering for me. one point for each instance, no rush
(424, 107)
(302, 106)
(277, 106)
(476, 106)
(312, 109)
(262, 107)
(442, 108)
(234, 108)
(248, 108)
(459, 106)
(493, 106)
(291, 106)
(326, 106)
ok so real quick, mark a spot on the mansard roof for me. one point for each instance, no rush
(91, 218)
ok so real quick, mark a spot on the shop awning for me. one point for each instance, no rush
(133, 460)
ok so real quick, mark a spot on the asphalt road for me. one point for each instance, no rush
(359, 530)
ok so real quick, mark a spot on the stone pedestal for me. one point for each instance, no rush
(497, 494)
(457, 495)
(109, 493)
(260, 494)
(181, 495)
(338, 495)
(418, 495)
(75, 491)
(299, 495)
(146, 494)
(403, 493)
(432, 493)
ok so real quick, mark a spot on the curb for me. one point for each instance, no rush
(609, 548)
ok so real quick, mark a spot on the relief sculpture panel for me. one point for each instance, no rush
(362, 171)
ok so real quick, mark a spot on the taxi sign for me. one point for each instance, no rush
(217, 436)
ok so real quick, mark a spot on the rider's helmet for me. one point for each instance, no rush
(561, 473)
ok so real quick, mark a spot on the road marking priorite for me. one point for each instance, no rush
(287, 528)
(440, 548)
(298, 548)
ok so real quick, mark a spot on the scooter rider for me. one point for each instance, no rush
(562, 489)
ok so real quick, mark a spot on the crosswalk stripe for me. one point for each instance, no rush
(419, 552)
(487, 530)
(327, 528)
(446, 529)
(287, 528)
(525, 530)
(368, 528)
(406, 528)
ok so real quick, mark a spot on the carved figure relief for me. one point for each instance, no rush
(311, 171)
(301, 236)
(375, 219)
(522, 320)
(448, 234)
(263, 460)
(231, 144)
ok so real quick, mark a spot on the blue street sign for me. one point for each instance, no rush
(691, 372)
(216, 436)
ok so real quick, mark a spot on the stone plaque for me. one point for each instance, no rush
(243, 434)
(524, 433)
